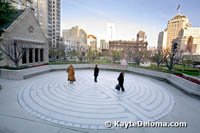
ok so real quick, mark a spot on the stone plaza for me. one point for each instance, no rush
(48, 103)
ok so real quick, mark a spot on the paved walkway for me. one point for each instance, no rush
(47, 103)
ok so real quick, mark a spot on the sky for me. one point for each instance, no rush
(129, 16)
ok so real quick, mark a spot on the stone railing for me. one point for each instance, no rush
(181, 83)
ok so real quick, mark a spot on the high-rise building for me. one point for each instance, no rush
(175, 25)
(75, 37)
(162, 40)
(189, 41)
(47, 13)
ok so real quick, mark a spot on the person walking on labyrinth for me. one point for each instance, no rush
(96, 73)
(71, 74)
(121, 81)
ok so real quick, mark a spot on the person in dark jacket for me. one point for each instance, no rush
(121, 80)
(96, 73)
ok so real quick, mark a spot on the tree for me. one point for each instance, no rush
(158, 58)
(116, 55)
(169, 56)
(140, 55)
(9, 48)
(6, 14)
(13, 50)
(92, 54)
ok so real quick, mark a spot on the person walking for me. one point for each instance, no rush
(71, 73)
(96, 73)
(121, 81)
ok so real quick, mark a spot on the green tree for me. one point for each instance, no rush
(6, 14)
(158, 58)
(116, 55)
(92, 54)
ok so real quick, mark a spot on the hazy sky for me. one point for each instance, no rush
(129, 16)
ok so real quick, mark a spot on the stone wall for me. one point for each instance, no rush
(181, 83)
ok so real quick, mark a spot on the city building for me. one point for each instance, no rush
(48, 14)
(70, 45)
(129, 48)
(24, 36)
(104, 47)
(75, 38)
(189, 41)
(104, 44)
(141, 36)
(92, 42)
(162, 40)
(175, 25)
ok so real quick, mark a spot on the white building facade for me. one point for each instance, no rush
(162, 40)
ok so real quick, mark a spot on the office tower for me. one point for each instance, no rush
(175, 25)
(48, 15)
(162, 40)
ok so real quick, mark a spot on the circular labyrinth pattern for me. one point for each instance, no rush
(87, 104)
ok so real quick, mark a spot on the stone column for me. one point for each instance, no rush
(27, 56)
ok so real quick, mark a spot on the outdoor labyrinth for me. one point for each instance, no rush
(87, 104)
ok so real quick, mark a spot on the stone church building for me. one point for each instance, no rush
(25, 31)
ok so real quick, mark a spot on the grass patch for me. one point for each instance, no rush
(98, 61)
(178, 69)
(65, 62)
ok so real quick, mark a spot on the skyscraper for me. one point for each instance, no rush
(162, 40)
(175, 25)
(48, 14)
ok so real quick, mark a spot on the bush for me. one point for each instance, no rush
(16, 68)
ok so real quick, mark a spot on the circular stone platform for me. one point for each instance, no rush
(87, 104)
